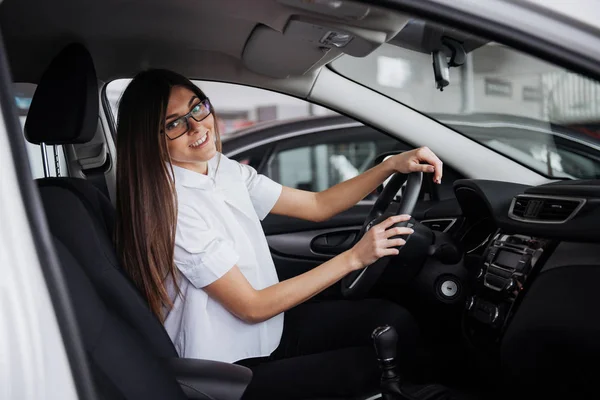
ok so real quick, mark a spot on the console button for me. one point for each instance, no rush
(495, 282)
(499, 272)
(484, 311)
(510, 286)
(494, 314)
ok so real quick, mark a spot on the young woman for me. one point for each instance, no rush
(189, 235)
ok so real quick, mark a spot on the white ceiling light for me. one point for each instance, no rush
(336, 8)
(336, 39)
(326, 3)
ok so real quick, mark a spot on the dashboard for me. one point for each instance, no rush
(518, 233)
(521, 298)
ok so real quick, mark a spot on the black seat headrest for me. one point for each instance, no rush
(64, 109)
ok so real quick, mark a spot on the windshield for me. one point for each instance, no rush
(533, 112)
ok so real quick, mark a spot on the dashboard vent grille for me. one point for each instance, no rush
(544, 209)
(441, 225)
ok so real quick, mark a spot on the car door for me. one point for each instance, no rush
(315, 162)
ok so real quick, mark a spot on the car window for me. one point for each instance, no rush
(237, 106)
(542, 116)
(326, 159)
(56, 161)
(561, 157)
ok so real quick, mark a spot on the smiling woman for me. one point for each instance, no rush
(191, 151)
(189, 235)
(145, 151)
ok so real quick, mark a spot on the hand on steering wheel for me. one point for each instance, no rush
(380, 240)
(418, 160)
(358, 282)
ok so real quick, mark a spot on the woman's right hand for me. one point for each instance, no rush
(379, 242)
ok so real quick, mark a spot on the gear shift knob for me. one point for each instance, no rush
(385, 339)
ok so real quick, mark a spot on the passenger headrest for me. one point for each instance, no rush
(64, 109)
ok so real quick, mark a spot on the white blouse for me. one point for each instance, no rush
(218, 226)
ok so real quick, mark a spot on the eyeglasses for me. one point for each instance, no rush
(181, 126)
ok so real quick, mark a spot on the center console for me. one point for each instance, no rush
(508, 262)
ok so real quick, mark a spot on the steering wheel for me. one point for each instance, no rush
(358, 283)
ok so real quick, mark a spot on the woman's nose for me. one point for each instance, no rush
(193, 125)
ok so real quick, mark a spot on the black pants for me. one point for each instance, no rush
(326, 350)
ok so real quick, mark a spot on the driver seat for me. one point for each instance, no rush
(129, 353)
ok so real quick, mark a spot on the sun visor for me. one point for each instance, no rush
(305, 45)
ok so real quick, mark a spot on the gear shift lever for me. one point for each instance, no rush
(385, 339)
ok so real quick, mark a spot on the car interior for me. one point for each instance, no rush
(501, 274)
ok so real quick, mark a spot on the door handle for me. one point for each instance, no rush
(334, 242)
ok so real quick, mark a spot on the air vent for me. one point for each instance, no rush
(544, 209)
(441, 225)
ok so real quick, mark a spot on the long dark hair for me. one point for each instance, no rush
(146, 197)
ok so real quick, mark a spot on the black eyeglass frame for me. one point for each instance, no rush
(206, 103)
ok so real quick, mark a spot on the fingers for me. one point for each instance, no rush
(425, 168)
(397, 231)
(396, 242)
(393, 220)
(390, 252)
(435, 164)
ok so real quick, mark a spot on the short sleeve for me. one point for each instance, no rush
(202, 254)
(263, 191)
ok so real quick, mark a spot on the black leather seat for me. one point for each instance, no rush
(129, 352)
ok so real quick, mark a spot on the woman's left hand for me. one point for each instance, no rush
(421, 159)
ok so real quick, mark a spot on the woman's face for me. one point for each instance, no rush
(195, 147)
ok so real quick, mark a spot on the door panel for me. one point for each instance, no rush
(355, 216)
(298, 246)
(319, 244)
(291, 240)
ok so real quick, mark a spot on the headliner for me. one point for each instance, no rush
(198, 38)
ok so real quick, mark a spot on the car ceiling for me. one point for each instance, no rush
(209, 39)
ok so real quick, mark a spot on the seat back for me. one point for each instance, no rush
(81, 218)
(124, 341)
(121, 363)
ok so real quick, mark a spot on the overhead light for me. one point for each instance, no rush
(336, 8)
(336, 39)
(327, 3)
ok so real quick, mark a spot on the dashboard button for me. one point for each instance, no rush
(510, 286)
(494, 282)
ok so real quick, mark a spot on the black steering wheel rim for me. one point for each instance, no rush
(358, 283)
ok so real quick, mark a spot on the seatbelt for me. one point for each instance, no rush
(99, 181)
